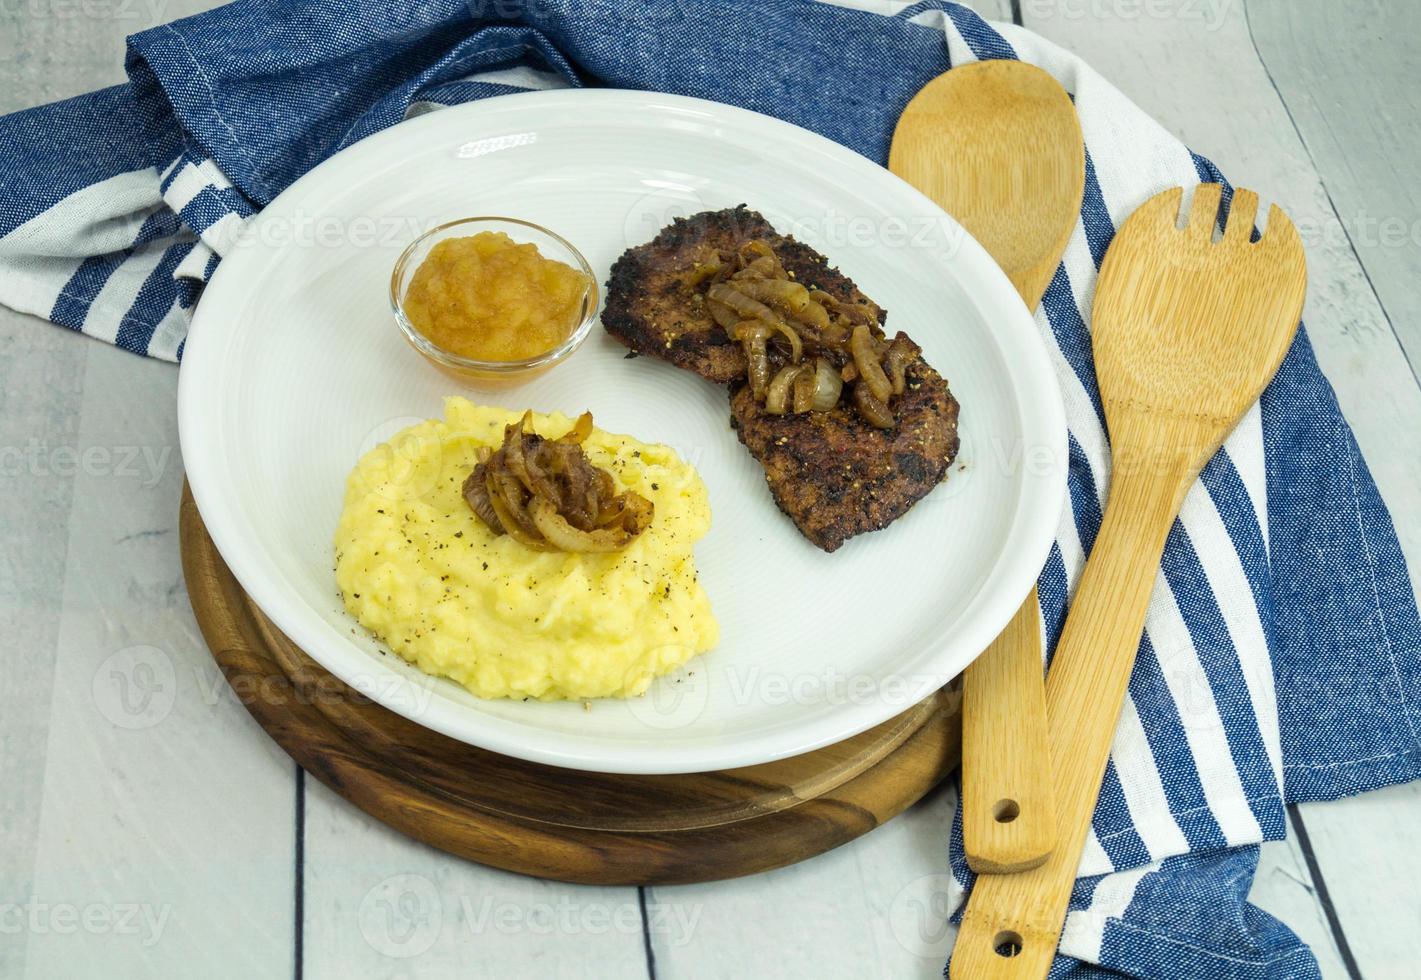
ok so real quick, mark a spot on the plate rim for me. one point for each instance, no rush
(1041, 417)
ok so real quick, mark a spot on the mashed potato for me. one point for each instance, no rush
(421, 572)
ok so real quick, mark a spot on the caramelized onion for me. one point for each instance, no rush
(632, 512)
(853, 312)
(874, 411)
(509, 503)
(557, 532)
(752, 334)
(866, 360)
(796, 346)
(703, 270)
(830, 342)
(580, 430)
(788, 296)
(828, 386)
(723, 315)
(901, 353)
(757, 255)
(547, 495)
(761, 267)
(574, 488)
(529, 470)
(762, 330)
(812, 314)
(745, 306)
(804, 388)
(777, 398)
(476, 493)
(835, 334)
(608, 503)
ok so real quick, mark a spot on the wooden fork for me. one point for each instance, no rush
(1187, 332)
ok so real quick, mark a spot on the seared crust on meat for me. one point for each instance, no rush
(835, 475)
(652, 310)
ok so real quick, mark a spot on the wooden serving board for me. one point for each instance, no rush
(564, 824)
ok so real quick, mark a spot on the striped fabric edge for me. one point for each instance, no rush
(148, 240)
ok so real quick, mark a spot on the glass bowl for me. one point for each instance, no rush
(550, 244)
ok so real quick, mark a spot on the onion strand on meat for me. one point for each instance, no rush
(746, 306)
(866, 360)
(828, 386)
(752, 334)
(803, 344)
(777, 398)
(875, 412)
(805, 385)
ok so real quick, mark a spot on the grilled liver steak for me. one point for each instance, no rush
(652, 310)
(832, 473)
(835, 475)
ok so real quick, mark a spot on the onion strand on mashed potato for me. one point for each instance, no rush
(418, 569)
(547, 495)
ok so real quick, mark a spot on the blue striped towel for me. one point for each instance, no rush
(1280, 657)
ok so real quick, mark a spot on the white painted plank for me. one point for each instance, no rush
(112, 835)
(41, 378)
(875, 907)
(991, 9)
(1367, 849)
(1284, 888)
(164, 827)
(1194, 68)
(1348, 74)
(381, 905)
(55, 49)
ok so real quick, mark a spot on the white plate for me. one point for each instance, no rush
(294, 367)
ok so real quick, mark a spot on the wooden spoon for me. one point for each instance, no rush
(997, 145)
(1187, 331)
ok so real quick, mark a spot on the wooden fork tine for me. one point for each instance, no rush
(1204, 211)
(1281, 232)
(1242, 214)
(1162, 210)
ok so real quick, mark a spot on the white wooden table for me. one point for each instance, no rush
(149, 828)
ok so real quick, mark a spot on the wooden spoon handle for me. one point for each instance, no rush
(1008, 817)
(1013, 922)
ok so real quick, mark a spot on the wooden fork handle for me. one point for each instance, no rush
(1022, 914)
(1008, 813)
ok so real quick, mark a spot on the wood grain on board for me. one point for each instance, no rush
(549, 822)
